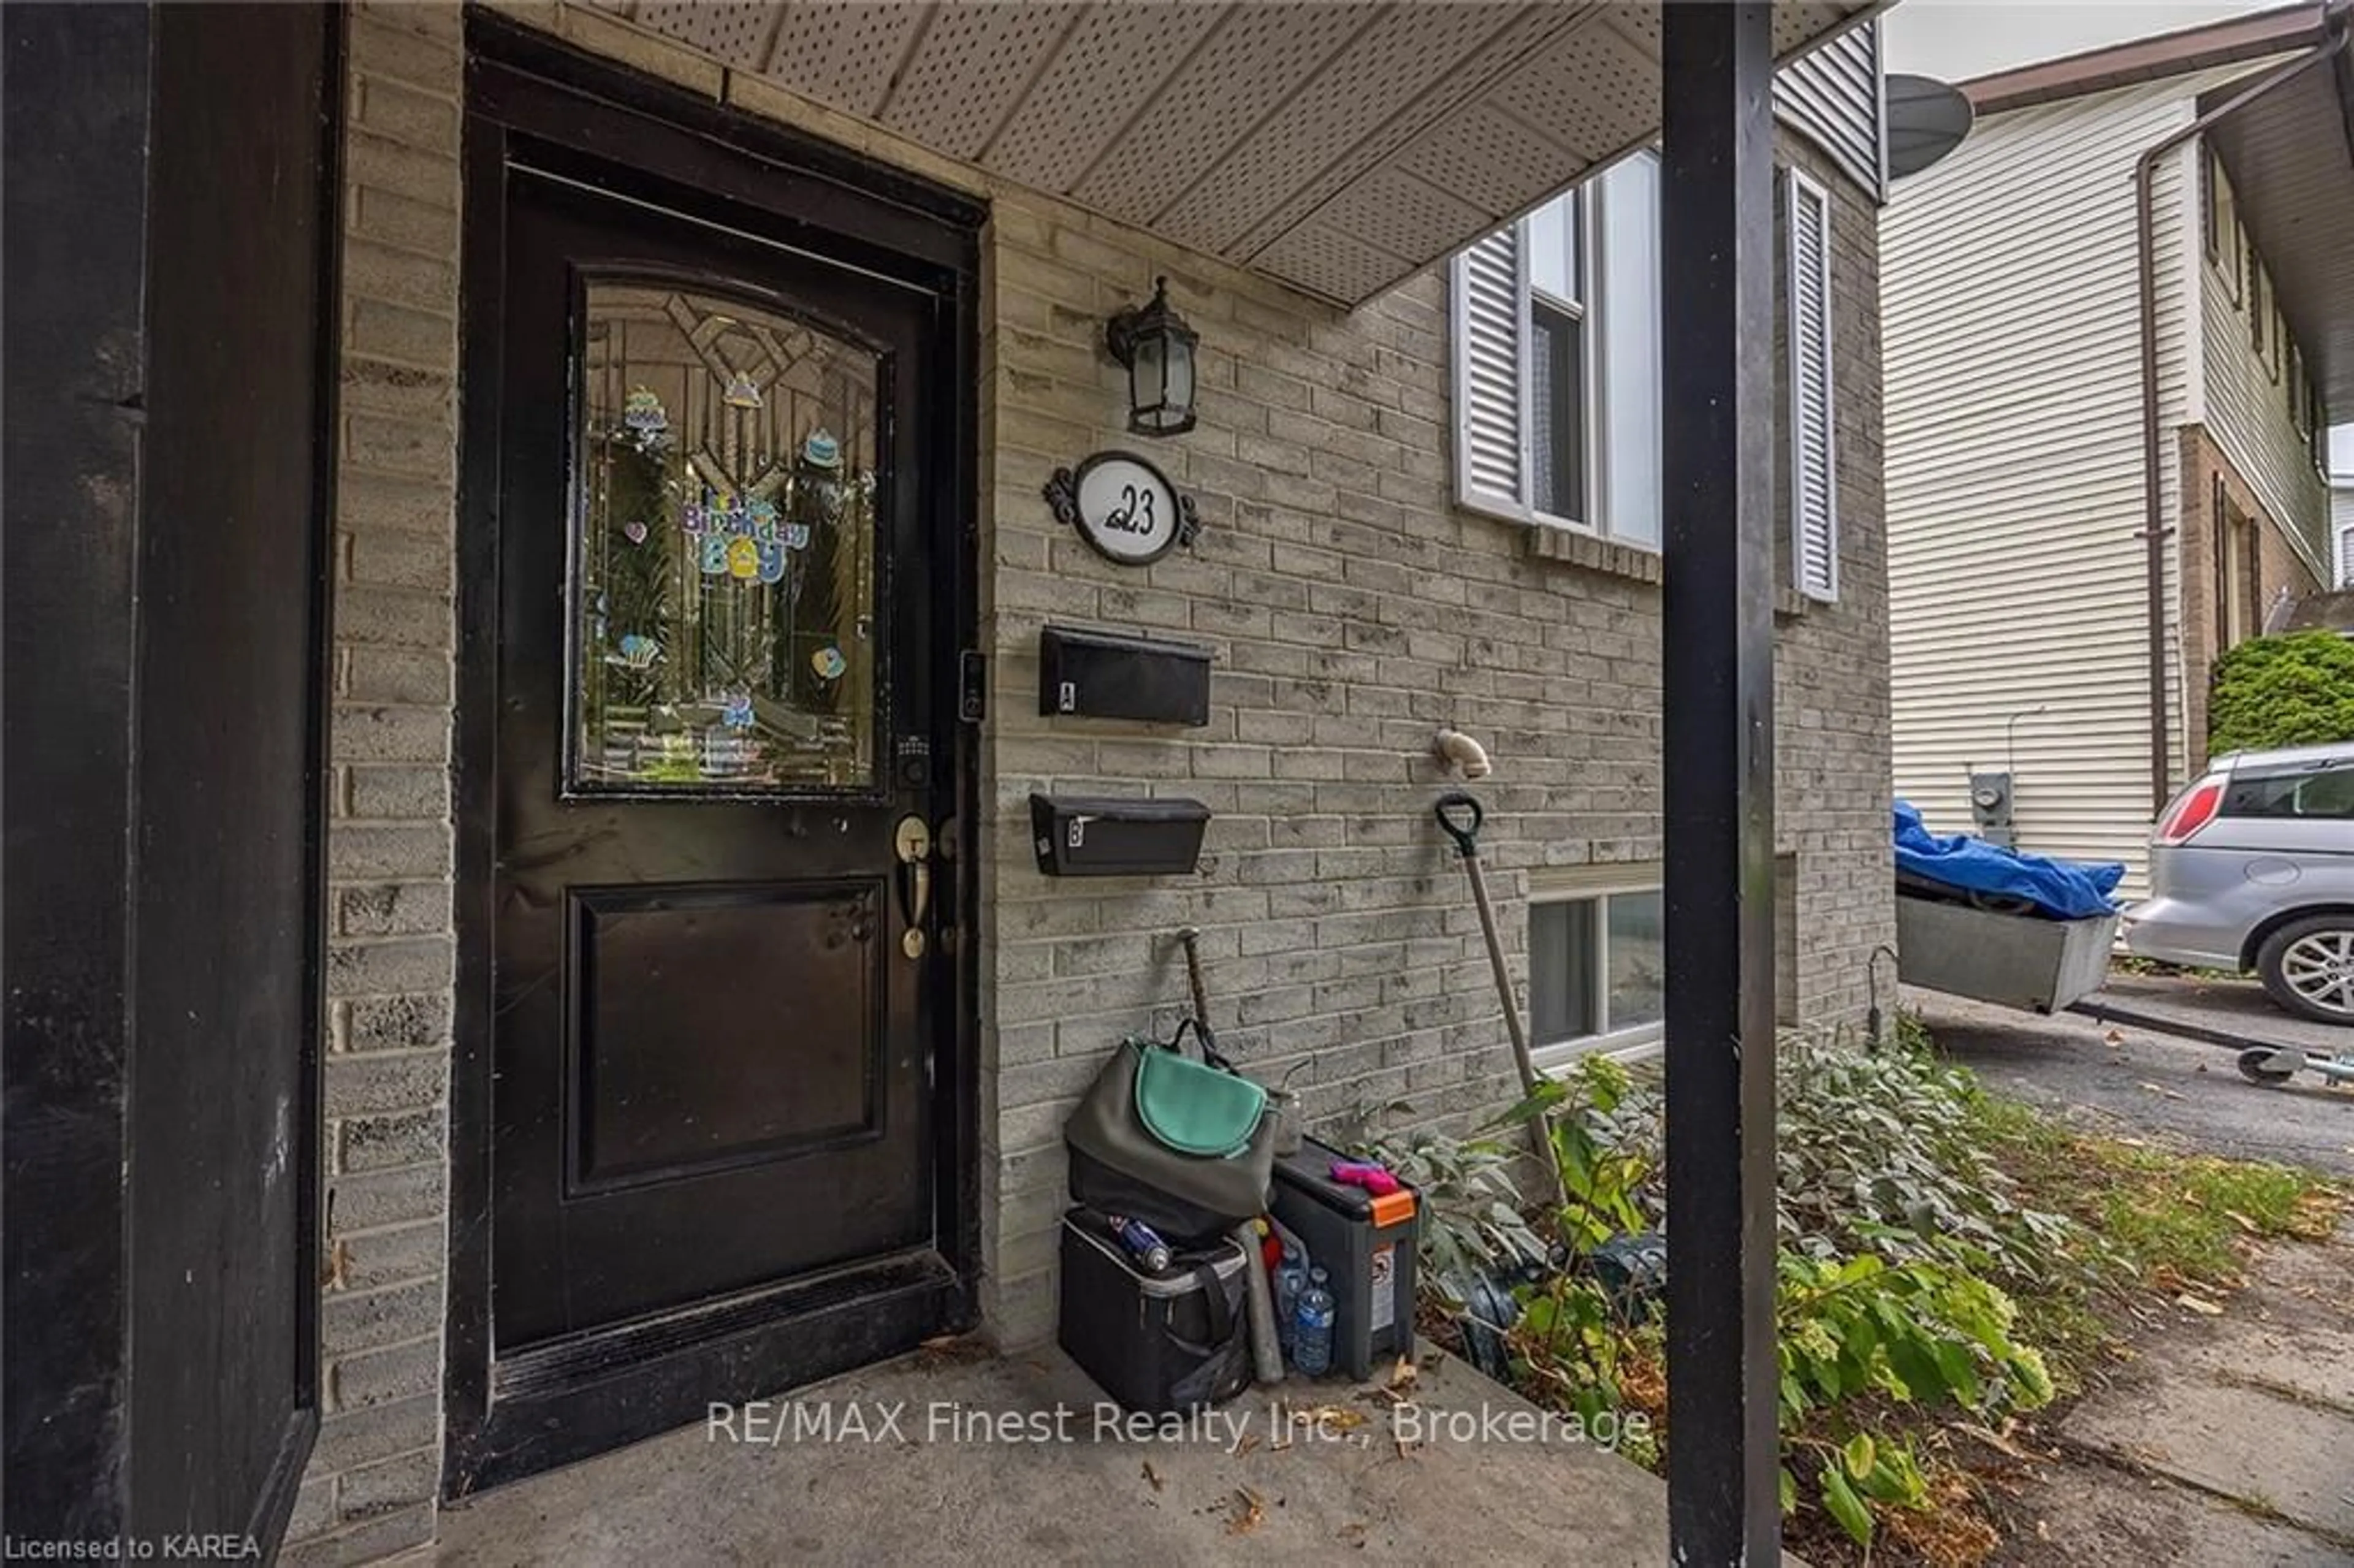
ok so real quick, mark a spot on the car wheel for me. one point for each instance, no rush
(2308, 966)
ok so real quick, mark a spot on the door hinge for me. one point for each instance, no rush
(972, 686)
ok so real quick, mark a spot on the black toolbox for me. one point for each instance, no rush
(1365, 1244)
(1159, 1342)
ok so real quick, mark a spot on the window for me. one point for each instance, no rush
(1558, 367)
(1814, 486)
(2324, 793)
(2345, 556)
(1597, 971)
(727, 458)
(2294, 382)
(2258, 310)
(1557, 362)
(2221, 225)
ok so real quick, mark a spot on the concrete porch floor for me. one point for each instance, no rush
(923, 1497)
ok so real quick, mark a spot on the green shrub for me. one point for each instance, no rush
(2282, 691)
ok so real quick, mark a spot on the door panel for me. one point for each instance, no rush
(717, 969)
(715, 995)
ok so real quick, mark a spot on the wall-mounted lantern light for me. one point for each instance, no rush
(1157, 347)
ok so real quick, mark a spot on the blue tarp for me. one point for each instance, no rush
(2061, 888)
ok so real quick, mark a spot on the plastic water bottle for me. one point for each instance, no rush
(1290, 1278)
(1311, 1342)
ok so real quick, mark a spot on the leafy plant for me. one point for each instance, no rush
(1574, 1346)
(1472, 1211)
(2297, 690)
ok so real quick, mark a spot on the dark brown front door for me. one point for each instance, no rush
(717, 985)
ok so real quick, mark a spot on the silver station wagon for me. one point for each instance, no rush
(2252, 868)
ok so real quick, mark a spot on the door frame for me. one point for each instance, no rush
(572, 110)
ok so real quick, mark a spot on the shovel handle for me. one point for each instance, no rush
(1451, 810)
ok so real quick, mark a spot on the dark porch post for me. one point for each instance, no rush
(1717, 697)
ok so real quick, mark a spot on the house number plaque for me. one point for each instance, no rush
(1123, 506)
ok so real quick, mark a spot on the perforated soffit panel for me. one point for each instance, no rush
(1336, 144)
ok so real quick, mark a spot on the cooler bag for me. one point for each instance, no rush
(1161, 1343)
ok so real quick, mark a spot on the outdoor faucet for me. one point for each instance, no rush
(1454, 749)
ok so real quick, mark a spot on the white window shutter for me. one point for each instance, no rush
(2345, 556)
(1814, 485)
(1490, 302)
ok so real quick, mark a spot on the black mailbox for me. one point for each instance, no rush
(1093, 837)
(1102, 674)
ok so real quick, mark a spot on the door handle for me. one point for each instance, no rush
(912, 840)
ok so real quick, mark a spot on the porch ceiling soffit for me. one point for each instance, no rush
(2290, 155)
(1338, 146)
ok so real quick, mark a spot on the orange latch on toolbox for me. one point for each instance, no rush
(1394, 1208)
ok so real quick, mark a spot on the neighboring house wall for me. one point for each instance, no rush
(2247, 411)
(2009, 307)
(2234, 563)
(1352, 608)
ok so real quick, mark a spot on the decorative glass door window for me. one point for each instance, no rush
(724, 561)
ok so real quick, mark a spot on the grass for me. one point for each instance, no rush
(2170, 1223)
(2134, 964)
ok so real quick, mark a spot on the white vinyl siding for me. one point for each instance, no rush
(2014, 476)
(1834, 96)
(1814, 489)
(2345, 577)
(2248, 407)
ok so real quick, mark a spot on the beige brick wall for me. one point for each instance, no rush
(389, 951)
(2278, 564)
(1353, 610)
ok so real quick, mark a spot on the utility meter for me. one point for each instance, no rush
(1990, 806)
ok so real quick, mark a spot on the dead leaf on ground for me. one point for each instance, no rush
(1351, 1535)
(1154, 1477)
(1994, 1440)
(2158, 1089)
(1336, 1418)
(2113, 1037)
(2199, 1304)
(2244, 1222)
(1403, 1374)
(1244, 1443)
(1249, 1512)
(947, 1348)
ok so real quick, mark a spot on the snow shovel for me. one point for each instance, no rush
(1460, 817)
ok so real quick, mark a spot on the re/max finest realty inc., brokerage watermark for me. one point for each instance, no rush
(783, 1423)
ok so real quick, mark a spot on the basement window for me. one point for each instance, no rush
(1597, 971)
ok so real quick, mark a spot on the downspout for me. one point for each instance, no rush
(2153, 534)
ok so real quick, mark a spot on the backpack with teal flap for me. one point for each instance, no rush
(1185, 1146)
(1193, 1107)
